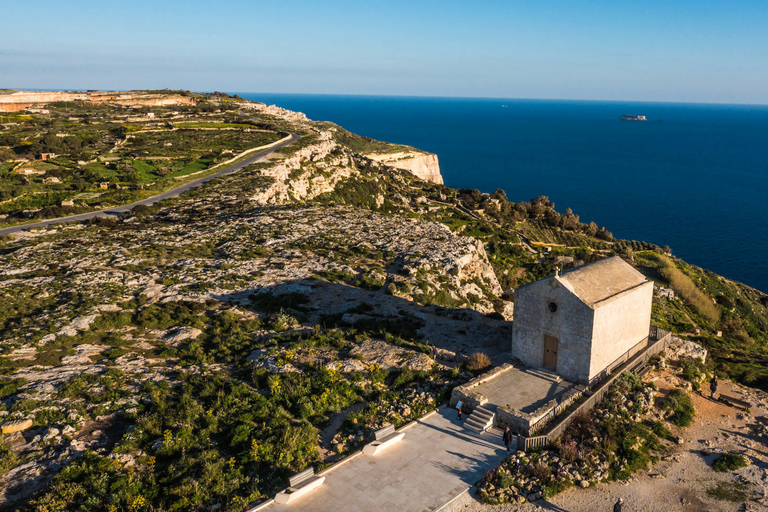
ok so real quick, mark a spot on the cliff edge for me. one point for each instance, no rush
(422, 165)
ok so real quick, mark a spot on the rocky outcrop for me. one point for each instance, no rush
(309, 172)
(422, 165)
(682, 349)
(274, 110)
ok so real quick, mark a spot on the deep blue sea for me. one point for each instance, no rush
(694, 177)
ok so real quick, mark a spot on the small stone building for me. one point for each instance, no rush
(583, 322)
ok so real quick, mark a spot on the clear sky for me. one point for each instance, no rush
(654, 50)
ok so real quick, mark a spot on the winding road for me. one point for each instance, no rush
(174, 192)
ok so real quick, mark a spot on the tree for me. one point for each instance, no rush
(7, 154)
(499, 194)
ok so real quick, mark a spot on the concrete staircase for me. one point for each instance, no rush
(480, 420)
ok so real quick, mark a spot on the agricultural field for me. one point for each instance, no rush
(73, 157)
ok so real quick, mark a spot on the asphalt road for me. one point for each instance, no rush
(174, 192)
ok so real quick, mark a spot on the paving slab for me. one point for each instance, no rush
(524, 389)
(437, 460)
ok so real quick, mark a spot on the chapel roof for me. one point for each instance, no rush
(600, 280)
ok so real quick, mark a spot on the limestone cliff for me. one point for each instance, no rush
(421, 165)
(21, 100)
(309, 172)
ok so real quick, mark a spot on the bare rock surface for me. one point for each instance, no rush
(182, 334)
(390, 357)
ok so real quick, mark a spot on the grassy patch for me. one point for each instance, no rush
(729, 491)
(729, 462)
(192, 168)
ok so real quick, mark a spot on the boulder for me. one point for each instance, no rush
(9, 427)
(182, 334)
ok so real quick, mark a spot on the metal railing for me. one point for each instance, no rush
(660, 338)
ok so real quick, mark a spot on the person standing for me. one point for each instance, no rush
(618, 506)
(507, 438)
(713, 386)
(458, 407)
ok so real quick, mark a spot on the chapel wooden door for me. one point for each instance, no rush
(550, 352)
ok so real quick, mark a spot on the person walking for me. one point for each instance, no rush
(507, 438)
(618, 506)
(458, 406)
(713, 387)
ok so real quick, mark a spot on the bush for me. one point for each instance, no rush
(627, 382)
(729, 462)
(693, 370)
(541, 471)
(478, 361)
(681, 406)
(282, 321)
(506, 480)
(568, 451)
(661, 430)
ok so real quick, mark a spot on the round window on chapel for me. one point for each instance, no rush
(552, 307)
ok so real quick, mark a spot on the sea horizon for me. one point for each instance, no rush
(667, 180)
(405, 96)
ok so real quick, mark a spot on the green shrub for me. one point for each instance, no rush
(369, 282)
(661, 430)
(693, 370)
(505, 480)
(9, 387)
(627, 382)
(681, 406)
(729, 462)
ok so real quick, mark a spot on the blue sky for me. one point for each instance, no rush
(644, 50)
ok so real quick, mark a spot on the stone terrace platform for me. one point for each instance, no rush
(436, 461)
(521, 397)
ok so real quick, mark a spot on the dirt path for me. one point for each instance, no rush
(326, 436)
(682, 479)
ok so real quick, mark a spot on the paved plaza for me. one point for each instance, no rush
(436, 461)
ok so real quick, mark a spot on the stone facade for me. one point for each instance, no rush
(580, 323)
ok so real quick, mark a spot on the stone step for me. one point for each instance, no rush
(482, 414)
(480, 420)
(544, 374)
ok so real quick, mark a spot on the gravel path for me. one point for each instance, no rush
(326, 436)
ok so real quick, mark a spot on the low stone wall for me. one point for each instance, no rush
(472, 399)
(518, 421)
(527, 424)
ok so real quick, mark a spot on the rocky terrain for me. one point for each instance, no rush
(194, 354)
